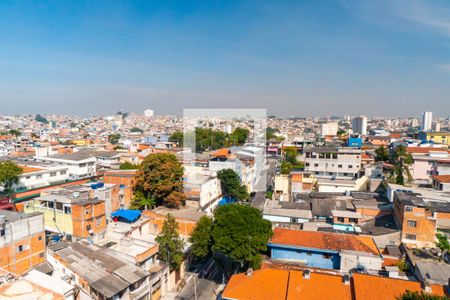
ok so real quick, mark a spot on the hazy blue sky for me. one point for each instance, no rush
(378, 57)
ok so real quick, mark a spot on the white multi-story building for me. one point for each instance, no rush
(333, 163)
(149, 113)
(359, 125)
(35, 176)
(427, 120)
(79, 164)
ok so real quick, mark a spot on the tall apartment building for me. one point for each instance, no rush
(333, 162)
(22, 241)
(427, 121)
(359, 125)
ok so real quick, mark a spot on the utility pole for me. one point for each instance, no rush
(195, 288)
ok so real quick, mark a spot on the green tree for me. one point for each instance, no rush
(40, 119)
(409, 295)
(382, 154)
(239, 136)
(9, 175)
(142, 201)
(114, 138)
(136, 129)
(160, 178)
(201, 238)
(231, 184)
(170, 244)
(402, 161)
(15, 132)
(286, 167)
(177, 137)
(128, 166)
(241, 233)
(442, 242)
(270, 133)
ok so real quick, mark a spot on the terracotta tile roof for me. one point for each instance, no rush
(390, 262)
(288, 284)
(262, 284)
(442, 178)
(28, 169)
(324, 240)
(317, 287)
(425, 150)
(224, 152)
(370, 287)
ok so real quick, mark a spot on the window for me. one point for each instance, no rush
(40, 238)
(308, 253)
(345, 174)
(330, 173)
(339, 166)
(51, 204)
(408, 208)
(88, 227)
(98, 221)
(41, 255)
(307, 164)
(353, 220)
(316, 165)
(2, 232)
(27, 177)
(326, 256)
(86, 211)
(63, 172)
(350, 166)
(341, 219)
(410, 236)
(20, 248)
(39, 176)
(67, 210)
(412, 223)
(82, 165)
(52, 174)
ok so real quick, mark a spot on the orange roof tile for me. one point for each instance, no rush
(369, 287)
(224, 152)
(324, 240)
(28, 169)
(317, 287)
(262, 284)
(390, 262)
(442, 178)
(425, 150)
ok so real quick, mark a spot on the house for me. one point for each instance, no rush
(71, 211)
(186, 218)
(290, 214)
(97, 273)
(22, 241)
(441, 182)
(428, 161)
(41, 175)
(420, 218)
(325, 250)
(286, 283)
(34, 285)
(126, 180)
(202, 191)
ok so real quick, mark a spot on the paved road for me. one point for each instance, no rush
(202, 288)
(260, 197)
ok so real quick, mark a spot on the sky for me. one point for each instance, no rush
(294, 58)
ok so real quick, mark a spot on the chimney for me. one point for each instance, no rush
(249, 272)
(306, 274)
(346, 279)
(427, 287)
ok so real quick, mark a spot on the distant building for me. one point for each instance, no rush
(359, 125)
(441, 137)
(22, 241)
(149, 113)
(329, 129)
(427, 120)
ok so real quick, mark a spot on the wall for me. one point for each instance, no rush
(312, 258)
(54, 220)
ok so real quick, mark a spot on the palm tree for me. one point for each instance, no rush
(402, 161)
(141, 200)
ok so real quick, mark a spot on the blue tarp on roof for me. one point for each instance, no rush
(226, 200)
(128, 215)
